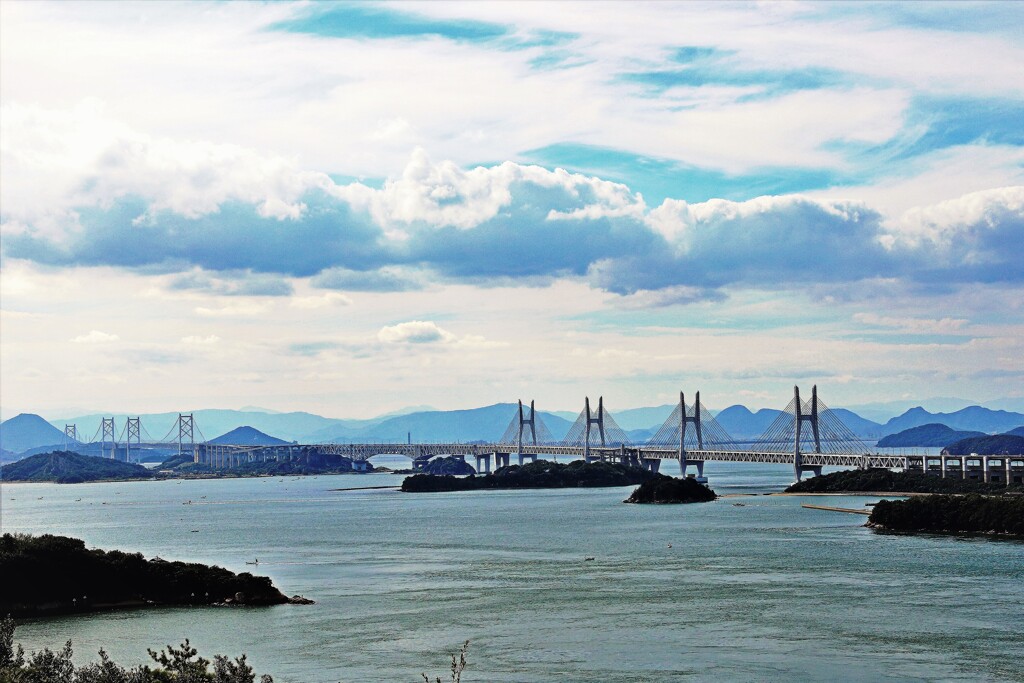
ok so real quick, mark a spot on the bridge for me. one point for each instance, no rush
(806, 436)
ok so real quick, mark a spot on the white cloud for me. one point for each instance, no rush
(95, 337)
(200, 340)
(914, 325)
(234, 310)
(415, 332)
(326, 300)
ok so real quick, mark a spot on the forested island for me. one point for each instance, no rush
(662, 489)
(66, 467)
(57, 574)
(542, 474)
(886, 481)
(996, 515)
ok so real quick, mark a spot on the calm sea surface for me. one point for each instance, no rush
(763, 592)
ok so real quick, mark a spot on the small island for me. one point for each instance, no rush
(47, 574)
(542, 474)
(879, 480)
(667, 490)
(973, 514)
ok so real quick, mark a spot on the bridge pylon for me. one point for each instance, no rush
(591, 420)
(799, 417)
(70, 436)
(684, 420)
(108, 431)
(524, 422)
(186, 432)
(133, 430)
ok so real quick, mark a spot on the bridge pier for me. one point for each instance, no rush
(651, 464)
(484, 458)
(502, 460)
(1014, 470)
(974, 468)
(524, 456)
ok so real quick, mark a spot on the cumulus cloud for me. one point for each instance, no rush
(95, 337)
(415, 332)
(200, 340)
(491, 223)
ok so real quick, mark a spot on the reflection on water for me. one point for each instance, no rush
(766, 591)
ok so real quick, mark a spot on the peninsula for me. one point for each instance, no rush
(886, 481)
(57, 575)
(974, 514)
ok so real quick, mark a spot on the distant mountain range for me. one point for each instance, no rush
(27, 432)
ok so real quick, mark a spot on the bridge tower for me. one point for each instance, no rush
(524, 422)
(108, 430)
(70, 436)
(799, 417)
(591, 420)
(133, 431)
(694, 419)
(186, 427)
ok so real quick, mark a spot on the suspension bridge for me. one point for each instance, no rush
(806, 436)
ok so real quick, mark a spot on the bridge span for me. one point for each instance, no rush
(806, 436)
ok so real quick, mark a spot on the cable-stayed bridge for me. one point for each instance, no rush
(806, 436)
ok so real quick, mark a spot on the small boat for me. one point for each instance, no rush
(738, 505)
(587, 559)
(256, 562)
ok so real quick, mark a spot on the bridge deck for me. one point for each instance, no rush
(365, 451)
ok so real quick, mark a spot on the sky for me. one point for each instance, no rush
(352, 208)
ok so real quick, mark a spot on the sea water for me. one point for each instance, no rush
(751, 588)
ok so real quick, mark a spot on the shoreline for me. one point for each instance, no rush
(191, 478)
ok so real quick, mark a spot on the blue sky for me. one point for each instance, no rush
(352, 207)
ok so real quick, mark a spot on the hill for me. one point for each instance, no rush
(930, 435)
(248, 436)
(26, 431)
(65, 467)
(972, 418)
(999, 444)
(1019, 431)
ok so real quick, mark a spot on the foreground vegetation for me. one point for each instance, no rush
(66, 467)
(541, 474)
(173, 665)
(1003, 515)
(887, 481)
(664, 489)
(56, 574)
